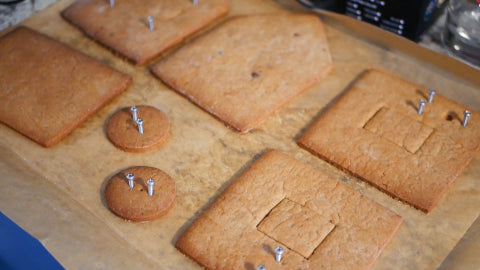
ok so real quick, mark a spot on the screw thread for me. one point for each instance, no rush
(465, 119)
(150, 183)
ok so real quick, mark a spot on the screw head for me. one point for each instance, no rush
(261, 267)
(150, 182)
(130, 178)
(432, 92)
(467, 113)
(279, 250)
(420, 107)
(133, 108)
(140, 121)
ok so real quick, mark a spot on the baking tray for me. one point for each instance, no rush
(56, 193)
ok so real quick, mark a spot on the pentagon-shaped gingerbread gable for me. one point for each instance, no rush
(248, 67)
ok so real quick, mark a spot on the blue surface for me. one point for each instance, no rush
(19, 250)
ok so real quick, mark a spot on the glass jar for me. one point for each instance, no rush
(462, 31)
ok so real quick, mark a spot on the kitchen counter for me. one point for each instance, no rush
(14, 12)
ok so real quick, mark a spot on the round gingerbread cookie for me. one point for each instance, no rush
(135, 203)
(124, 132)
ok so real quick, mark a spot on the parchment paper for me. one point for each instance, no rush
(56, 193)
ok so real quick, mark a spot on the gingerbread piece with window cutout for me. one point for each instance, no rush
(281, 202)
(374, 130)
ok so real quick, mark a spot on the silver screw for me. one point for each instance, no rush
(432, 93)
(150, 183)
(261, 267)
(133, 109)
(421, 105)
(278, 254)
(112, 3)
(195, 2)
(465, 119)
(150, 23)
(130, 178)
(140, 126)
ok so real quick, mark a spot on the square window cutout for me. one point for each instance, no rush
(296, 226)
(401, 130)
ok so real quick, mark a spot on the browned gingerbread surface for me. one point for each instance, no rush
(250, 66)
(279, 201)
(125, 29)
(47, 88)
(374, 131)
(134, 203)
(123, 131)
